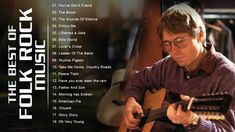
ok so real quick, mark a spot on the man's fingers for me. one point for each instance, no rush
(132, 114)
(179, 110)
(139, 112)
(131, 122)
(184, 97)
(171, 111)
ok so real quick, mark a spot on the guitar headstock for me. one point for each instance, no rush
(210, 106)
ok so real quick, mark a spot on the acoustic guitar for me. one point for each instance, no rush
(210, 107)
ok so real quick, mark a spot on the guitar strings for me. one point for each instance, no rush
(160, 113)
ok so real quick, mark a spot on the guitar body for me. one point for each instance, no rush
(150, 102)
(107, 112)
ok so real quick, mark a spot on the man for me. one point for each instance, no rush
(192, 68)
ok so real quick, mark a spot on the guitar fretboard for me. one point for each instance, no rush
(157, 114)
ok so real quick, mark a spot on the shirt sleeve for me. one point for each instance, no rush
(213, 126)
(148, 78)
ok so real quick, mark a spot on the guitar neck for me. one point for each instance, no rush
(156, 114)
(213, 106)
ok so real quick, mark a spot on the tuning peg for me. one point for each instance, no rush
(225, 92)
(220, 93)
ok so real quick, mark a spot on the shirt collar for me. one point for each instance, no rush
(208, 64)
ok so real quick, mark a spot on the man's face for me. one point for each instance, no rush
(182, 48)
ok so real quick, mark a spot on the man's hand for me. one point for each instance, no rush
(178, 116)
(132, 107)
